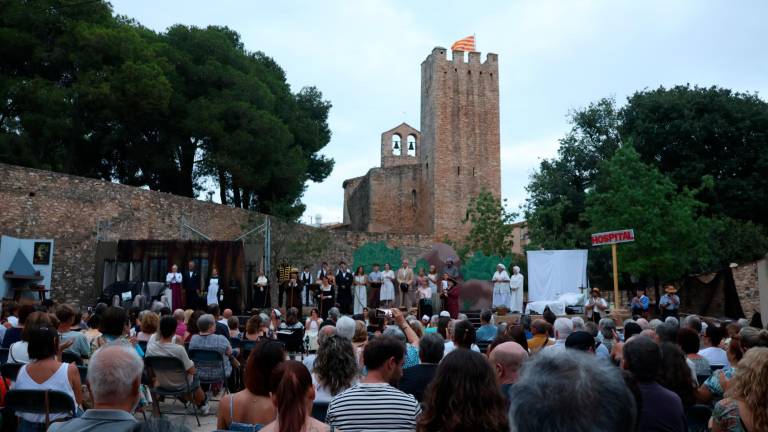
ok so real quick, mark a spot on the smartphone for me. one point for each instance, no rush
(383, 313)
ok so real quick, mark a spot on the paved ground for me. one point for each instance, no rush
(207, 423)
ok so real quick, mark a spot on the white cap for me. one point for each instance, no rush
(445, 314)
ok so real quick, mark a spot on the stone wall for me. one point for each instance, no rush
(747, 286)
(78, 212)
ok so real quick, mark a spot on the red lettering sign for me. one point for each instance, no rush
(611, 237)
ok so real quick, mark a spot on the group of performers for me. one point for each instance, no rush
(185, 290)
(352, 292)
(508, 290)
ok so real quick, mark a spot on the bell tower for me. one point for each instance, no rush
(460, 136)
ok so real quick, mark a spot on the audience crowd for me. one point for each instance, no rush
(389, 372)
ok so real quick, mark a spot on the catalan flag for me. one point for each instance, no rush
(466, 44)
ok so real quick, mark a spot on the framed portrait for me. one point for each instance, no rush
(42, 253)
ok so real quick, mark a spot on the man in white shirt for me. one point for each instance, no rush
(713, 353)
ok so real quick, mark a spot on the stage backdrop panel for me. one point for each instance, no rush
(555, 272)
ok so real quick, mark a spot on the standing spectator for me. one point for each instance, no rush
(487, 331)
(464, 396)
(540, 338)
(507, 359)
(746, 406)
(46, 372)
(662, 409)
(164, 346)
(415, 379)
(557, 391)
(66, 316)
(210, 341)
(292, 396)
(373, 404)
(563, 328)
(669, 303)
(251, 408)
(715, 355)
(181, 326)
(114, 377)
(335, 368)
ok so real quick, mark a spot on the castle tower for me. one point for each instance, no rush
(460, 144)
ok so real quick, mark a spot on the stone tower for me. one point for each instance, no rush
(460, 145)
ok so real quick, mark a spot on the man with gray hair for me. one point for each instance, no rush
(345, 327)
(563, 328)
(114, 376)
(208, 340)
(555, 389)
(578, 323)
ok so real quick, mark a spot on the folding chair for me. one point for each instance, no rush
(44, 402)
(319, 411)
(211, 361)
(4, 355)
(9, 371)
(483, 345)
(293, 340)
(170, 366)
(70, 357)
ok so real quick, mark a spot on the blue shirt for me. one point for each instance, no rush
(644, 302)
(374, 276)
(666, 302)
(486, 332)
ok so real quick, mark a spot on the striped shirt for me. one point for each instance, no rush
(373, 407)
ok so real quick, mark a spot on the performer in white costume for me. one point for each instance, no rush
(213, 288)
(501, 288)
(516, 285)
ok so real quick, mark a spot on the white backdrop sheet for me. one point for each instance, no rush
(552, 273)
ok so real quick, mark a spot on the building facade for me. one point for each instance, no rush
(427, 178)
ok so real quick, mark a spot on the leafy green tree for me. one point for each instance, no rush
(491, 226)
(481, 266)
(631, 194)
(376, 252)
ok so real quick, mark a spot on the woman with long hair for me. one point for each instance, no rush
(192, 325)
(292, 398)
(745, 407)
(251, 408)
(463, 396)
(675, 375)
(292, 319)
(516, 332)
(335, 368)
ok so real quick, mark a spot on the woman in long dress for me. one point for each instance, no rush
(387, 294)
(361, 296)
(433, 280)
(424, 293)
(173, 279)
(516, 285)
(213, 288)
(449, 291)
(501, 288)
(325, 295)
(261, 291)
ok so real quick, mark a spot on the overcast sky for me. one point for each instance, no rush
(554, 56)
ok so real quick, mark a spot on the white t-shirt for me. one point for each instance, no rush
(450, 346)
(715, 355)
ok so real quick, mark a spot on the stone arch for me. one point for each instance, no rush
(397, 144)
(411, 145)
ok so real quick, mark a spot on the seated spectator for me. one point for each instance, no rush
(464, 396)
(507, 359)
(607, 335)
(251, 408)
(225, 316)
(192, 325)
(345, 327)
(292, 320)
(208, 340)
(692, 322)
(630, 329)
(675, 374)
(713, 389)
(672, 321)
(578, 323)
(275, 319)
(80, 347)
(715, 355)
(114, 376)
(335, 368)
(94, 320)
(114, 327)
(234, 327)
(164, 346)
(662, 409)
(46, 372)
(181, 326)
(13, 334)
(415, 379)
(516, 333)
(563, 328)
(149, 323)
(359, 340)
(688, 340)
(221, 327)
(373, 404)
(581, 341)
(19, 351)
(666, 333)
(487, 331)
(744, 408)
(292, 396)
(462, 336)
(540, 339)
(402, 331)
(556, 389)
(753, 337)
(327, 331)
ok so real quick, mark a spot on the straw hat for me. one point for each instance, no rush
(670, 289)
(597, 290)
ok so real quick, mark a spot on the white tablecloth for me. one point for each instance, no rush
(556, 306)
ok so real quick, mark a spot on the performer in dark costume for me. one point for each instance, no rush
(305, 281)
(325, 296)
(191, 283)
(293, 291)
(344, 279)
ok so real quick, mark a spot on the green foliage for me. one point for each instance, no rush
(491, 231)
(631, 194)
(481, 266)
(88, 93)
(732, 240)
(421, 264)
(376, 253)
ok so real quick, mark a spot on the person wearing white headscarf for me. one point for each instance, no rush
(516, 285)
(501, 288)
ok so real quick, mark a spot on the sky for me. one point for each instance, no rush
(554, 57)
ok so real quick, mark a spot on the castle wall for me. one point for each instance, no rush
(460, 135)
(389, 159)
(397, 206)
